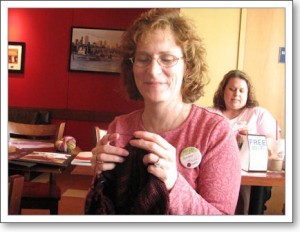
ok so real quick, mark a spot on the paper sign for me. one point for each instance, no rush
(254, 153)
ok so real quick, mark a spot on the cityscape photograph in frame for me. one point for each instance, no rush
(95, 50)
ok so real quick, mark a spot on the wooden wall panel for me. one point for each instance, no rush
(265, 33)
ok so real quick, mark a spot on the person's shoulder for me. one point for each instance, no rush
(212, 109)
(125, 118)
(124, 122)
(210, 121)
(209, 114)
(209, 111)
(129, 116)
(259, 113)
(258, 110)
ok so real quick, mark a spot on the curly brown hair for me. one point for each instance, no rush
(186, 37)
(219, 102)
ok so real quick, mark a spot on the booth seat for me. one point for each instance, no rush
(29, 117)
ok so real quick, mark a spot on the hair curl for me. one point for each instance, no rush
(186, 37)
(219, 102)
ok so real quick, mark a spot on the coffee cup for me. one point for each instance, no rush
(276, 154)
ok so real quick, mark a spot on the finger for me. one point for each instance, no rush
(158, 172)
(150, 158)
(153, 138)
(108, 149)
(243, 132)
(150, 146)
(108, 154)
(106, 139)
(108, 158)
(100, 167)
(99, 149)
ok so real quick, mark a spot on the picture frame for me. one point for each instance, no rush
(16, 57)
(95, 50)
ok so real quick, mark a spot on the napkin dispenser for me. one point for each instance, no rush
(254, 153)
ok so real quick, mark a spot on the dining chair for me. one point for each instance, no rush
(99, 133)
(39, 195)
(45, 132)
(15, 188)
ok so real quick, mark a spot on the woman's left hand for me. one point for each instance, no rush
(161, 159)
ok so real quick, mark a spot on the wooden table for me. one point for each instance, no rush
(39, 195)
(37, 167)
(274, 179)
(257, 181)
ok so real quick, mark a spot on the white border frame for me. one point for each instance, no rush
(145, 4)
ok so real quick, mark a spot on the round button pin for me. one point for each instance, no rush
(190, 157)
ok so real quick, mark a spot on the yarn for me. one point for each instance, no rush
(128, 189)
(66, 144)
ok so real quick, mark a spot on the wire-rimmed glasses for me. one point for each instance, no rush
(165, 60)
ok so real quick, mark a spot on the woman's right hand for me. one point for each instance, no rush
(239, 136)
(105, 156)
(243, 131)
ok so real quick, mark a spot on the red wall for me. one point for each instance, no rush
(46, 81)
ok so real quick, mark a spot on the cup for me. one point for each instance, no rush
(276, 154)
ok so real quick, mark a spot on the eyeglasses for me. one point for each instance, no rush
(165, 60)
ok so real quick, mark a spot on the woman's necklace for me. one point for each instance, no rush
(159, 126)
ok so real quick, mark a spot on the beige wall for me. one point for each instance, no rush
(219, 29)
(248, 39)
(265, 33)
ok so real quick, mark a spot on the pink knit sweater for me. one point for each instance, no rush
(213, 186)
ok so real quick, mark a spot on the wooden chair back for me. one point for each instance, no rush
(38, 195)
(15, 188)
(53, 131)
(99, 133)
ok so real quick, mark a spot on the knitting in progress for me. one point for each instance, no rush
(128, 189)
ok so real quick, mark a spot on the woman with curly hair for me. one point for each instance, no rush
(235, 99)
(191, 153)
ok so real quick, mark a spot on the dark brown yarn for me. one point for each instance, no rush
(128, 189)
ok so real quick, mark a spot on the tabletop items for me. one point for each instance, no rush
(277, 154)
(254, 153)
(41, 157)
(66, 144)
(83, 159)
(259, 153)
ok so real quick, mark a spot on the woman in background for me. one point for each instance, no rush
(235, 99)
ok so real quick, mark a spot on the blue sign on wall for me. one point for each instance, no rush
(282, 55)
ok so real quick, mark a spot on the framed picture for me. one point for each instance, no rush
(95, 50)
(16, 57)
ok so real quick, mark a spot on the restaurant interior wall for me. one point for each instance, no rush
(261, 59)
(221, 43)
(46, 81)
(248, 39)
